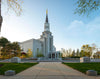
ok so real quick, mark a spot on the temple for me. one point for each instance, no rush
(42, 46)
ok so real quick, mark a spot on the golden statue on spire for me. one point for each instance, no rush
(47, 11)
(46, 16)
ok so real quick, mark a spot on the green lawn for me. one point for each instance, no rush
(18, 67)
(83, 67)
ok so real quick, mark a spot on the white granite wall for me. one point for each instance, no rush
(27, 45)
(32, 44)
(36, 45)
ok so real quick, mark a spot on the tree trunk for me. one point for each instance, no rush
(1, 19)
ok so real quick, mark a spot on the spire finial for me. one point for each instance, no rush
(46, 11)
(46, 16)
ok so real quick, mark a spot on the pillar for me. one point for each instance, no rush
(55, 55)
(51, 55)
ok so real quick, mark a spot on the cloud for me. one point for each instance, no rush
(75, 24)
(93, 26)
(76, 28)
(79, 28)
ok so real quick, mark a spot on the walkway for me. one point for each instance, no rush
(50, 70)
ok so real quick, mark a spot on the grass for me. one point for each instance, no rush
(83, 67)
(18, 67)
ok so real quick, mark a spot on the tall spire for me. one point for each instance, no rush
(46, 24)
(46, 16)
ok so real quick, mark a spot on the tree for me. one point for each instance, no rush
(3, 41)
(67, 53)
(77, 52)
(87, 6)
(82, 53)
(29, 53)
(70, 52)
(63, 51)
(16, 48)
(86, 50)
(11, 49)
(3, 46)
(73, 53)
(15, 5)
(7, 50)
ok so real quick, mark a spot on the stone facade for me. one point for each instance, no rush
(43, 45)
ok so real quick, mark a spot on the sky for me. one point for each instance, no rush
(69, 30)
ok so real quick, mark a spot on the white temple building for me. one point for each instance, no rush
(43, 45)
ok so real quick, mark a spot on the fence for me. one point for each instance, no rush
(78, 60)
(95, 60)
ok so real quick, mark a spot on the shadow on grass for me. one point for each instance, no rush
(83, 67)
(17, 67)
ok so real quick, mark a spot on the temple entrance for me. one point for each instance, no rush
(53, 55)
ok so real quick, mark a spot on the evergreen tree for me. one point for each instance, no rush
(77, 53)
(73, 53)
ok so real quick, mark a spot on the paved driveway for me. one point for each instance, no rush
(50, 70)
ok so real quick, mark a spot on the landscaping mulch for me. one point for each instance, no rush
(1, 65)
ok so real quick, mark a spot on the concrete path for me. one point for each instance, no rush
(50, 70)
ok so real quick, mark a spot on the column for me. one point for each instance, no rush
(58, 55)
(51, 55)
(55, 55)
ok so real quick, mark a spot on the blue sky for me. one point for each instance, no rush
(69, 30)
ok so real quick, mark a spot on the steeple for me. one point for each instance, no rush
(46, 16)
(46, 24)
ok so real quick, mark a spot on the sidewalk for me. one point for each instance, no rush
(50, 70)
